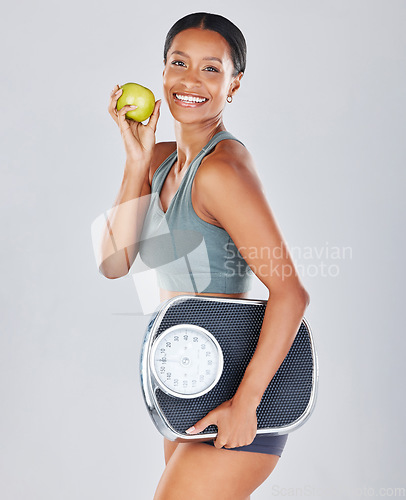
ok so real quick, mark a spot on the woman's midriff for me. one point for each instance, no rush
(167, 294)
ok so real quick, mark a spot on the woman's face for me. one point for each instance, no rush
(197, 77)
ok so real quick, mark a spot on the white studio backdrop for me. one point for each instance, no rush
(322, 110)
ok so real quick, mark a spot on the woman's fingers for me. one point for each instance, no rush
(153, 119)
(115, 89)
(114, 96)
(122, 122)
(125, 109)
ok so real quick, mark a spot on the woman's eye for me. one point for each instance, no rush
(212, 68)
(178, 63)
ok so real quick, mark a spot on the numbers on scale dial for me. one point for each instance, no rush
(187, 360)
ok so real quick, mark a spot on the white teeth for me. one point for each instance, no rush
(189, 98)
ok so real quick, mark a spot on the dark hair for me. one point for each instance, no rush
(221, 25)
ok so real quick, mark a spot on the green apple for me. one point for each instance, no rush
(136, 95)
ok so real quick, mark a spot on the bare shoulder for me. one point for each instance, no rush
(230, 161)
(161, 151)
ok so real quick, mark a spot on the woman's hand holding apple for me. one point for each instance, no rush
(139, 139)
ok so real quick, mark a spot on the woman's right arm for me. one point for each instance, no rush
(119, 243)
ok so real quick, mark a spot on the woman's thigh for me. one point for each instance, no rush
(169, 448)
(196, 471)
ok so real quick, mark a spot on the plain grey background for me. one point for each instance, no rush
(321, 108)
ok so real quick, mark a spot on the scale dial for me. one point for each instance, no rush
(186, 360)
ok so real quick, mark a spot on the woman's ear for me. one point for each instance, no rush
(235, 84)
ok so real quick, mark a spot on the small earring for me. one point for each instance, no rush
(230, 98)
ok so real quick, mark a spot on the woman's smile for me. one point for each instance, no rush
(189, 100)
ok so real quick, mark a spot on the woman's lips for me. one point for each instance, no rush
(189, 101)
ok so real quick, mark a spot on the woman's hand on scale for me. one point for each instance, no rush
(139, 139)
(236, 423)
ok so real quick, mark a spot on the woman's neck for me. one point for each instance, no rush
(191, 138)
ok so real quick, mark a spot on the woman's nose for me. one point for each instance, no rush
(191, 78)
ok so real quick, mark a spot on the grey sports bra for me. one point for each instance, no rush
(188, 253)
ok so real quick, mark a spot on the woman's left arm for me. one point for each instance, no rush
(245, 214)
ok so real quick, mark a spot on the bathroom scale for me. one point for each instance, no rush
(193, 357)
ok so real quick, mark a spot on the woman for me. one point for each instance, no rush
(206, 183)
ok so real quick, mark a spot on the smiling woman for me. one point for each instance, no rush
(204, 189)
(199, 74)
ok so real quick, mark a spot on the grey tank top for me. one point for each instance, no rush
(188, 253)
